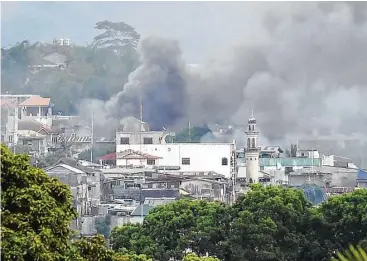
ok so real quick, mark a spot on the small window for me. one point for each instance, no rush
(124, 140)
(11, 138)
(150, 161)
(185, 161)
(224, 161)
(89, 188)
(148, 141)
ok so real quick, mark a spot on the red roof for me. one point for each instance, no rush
(111, 156)
(36, 101)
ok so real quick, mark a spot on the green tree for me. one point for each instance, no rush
(117, 37)
(36, 211)
(103, 226)
(269, 224)
(194, 257)
(344, 222)
(130, 238)
(95, 249)
(352, 254)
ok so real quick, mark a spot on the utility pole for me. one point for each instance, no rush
(141, 127)
(190, 132)
(92, 138)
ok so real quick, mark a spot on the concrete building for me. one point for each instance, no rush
(188, 157)
(252, 152)
(9, 121)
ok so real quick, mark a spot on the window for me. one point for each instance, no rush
(224, 161)
(54, 139)
(124, 140)
(248, 142)
(185, 161)
(11, 138)
(150, 161)
(253, 142)
(148, 141)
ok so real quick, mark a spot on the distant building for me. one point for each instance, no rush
(61, 41)
(149, 148)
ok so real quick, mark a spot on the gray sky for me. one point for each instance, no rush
(203, 29)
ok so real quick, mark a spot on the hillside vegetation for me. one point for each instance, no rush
(95, 71)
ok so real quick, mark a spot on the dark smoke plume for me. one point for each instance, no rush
(160, 83)
(308, 79)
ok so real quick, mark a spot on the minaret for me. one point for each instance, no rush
(252, 152)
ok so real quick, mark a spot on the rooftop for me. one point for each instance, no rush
(110, 156)
(36, 101)
(134, 154)
(142, 208)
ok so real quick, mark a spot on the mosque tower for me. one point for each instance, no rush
(252, 152)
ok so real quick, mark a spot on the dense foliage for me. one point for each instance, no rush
(36, 211)
(268, 223)
(95, 71)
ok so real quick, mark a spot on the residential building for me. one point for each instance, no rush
(9, 121)
(35, 107)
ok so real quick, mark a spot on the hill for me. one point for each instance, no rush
(68, 74)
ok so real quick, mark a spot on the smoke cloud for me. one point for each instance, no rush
(308, 79)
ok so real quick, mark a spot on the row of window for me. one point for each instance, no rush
(126, 140)
(186, 161)
(251, 158)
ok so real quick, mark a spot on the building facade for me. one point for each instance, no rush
(188, 157)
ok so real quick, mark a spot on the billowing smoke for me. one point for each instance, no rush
(159, 84)
(309, 78)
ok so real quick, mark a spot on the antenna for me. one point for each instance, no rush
(141, 125)
(92, 138)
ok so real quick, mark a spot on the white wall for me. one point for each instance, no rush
(203, 156)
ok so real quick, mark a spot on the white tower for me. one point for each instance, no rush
(252, 152)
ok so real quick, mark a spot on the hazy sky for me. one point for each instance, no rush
(203, 29)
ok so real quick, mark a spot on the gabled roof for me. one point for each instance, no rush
(32, 125)
(134, 154)
(65, 166)
(74, 163)
(6, 103)
(110, 156)
(36, 100)
(142, 208)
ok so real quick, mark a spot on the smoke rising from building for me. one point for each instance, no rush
(309, 78)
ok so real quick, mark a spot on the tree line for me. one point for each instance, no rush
(268, 223)
(94, 71)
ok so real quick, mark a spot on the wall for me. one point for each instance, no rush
(337, 177)
(135, 138)
(203, 156)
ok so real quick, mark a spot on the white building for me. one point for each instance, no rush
(189, 157)
(252, 152)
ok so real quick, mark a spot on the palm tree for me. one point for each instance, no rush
(352, 254)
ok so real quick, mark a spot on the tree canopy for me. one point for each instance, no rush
(267, 224)
(93, 71)
(36, 211)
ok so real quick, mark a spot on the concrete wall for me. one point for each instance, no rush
(135, 138)
(203, 156)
